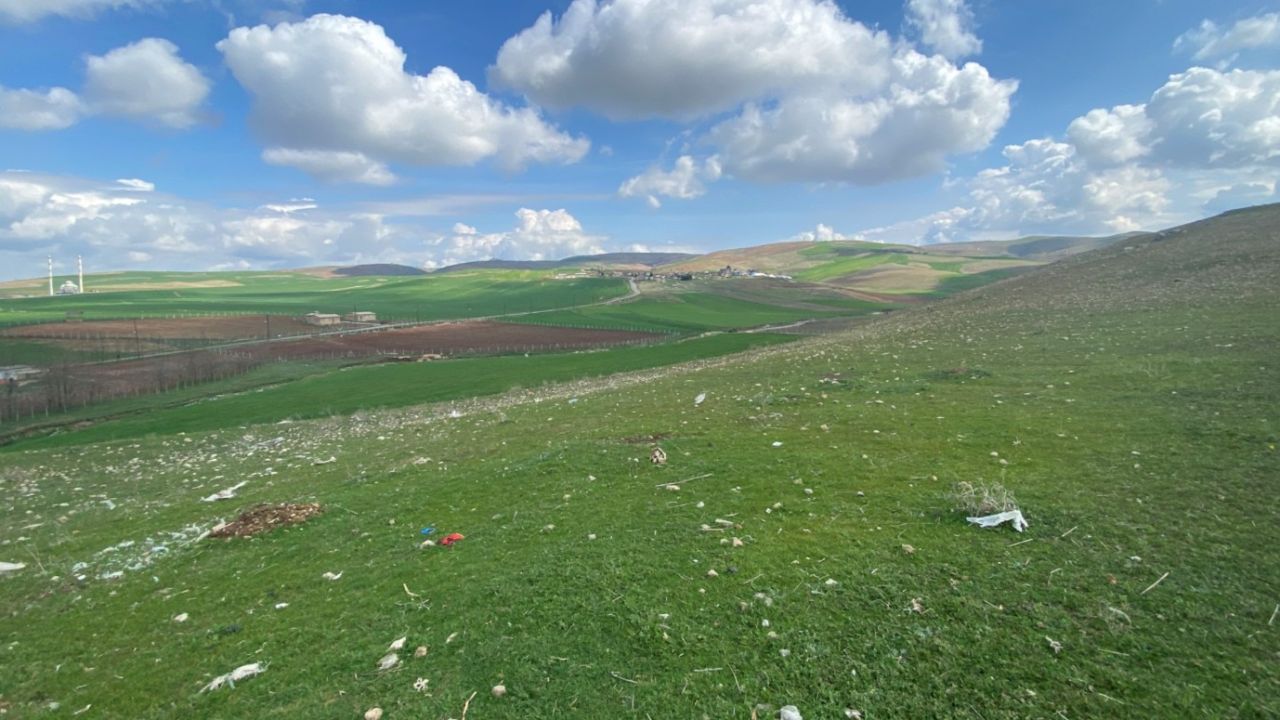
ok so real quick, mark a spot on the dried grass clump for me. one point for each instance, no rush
(982, 498)
(265, 518)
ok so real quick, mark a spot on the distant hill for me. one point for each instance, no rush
(1033, 247)
(378, 269)
(896, 269)
(634, 261)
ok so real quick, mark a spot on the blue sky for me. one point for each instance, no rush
(303, 132)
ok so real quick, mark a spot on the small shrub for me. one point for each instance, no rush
(983, 498)
(957, 373)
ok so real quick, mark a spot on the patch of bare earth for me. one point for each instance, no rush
(265, 518)
(212, 328)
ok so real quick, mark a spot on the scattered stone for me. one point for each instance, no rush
(790, 712)
(499, 690)
(591, 536)
(908, 549)
(332, 576)
(420, 652)
(398, 644)
(181, 617)
(373, 714)
(388, 661)
(712, 573)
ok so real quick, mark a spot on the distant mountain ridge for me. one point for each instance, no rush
(635, 261)
(378, 269)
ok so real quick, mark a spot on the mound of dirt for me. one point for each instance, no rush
(265, 518)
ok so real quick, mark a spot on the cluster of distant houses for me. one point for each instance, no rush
(725, 272)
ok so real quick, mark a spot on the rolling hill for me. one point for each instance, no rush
(801, 545)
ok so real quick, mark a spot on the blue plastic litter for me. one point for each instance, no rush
(428, 530)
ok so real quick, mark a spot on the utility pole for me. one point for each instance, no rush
(137, 342)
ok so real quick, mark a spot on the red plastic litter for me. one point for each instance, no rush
(451, 538)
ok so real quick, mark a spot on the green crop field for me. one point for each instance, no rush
(800, 546)
(310, 394)
(429, 297)
(704, 307)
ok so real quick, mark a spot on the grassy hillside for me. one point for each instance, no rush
(455, 295)
(713, 305)
(1127, 397)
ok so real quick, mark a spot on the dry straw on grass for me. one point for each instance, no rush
(982, 498)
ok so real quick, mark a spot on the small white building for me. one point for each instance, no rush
(69, 288)
(319, 318)
(362, 316)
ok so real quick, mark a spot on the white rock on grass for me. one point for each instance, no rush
(397, 644)
(790, 712)
(332, 576)
(499, 690)
(181, 617)
(388, 661)
(373, 714)
(231, 678)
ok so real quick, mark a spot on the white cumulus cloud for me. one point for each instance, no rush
(146, 80)
(24, 11)
(930, 110)
(685, 180)
(332, 165)
(1205, 139)
(1209, 40)
(810, 94)
(821, 233)
(631, 59)
(52, 109)
(945, 26)
(1205, 117)
(538, 235)
(331, 96)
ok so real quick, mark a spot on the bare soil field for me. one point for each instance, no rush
(211, 328)
(77, 384)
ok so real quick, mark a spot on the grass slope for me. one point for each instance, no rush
(1127, 397)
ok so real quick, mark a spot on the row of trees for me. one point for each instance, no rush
(65, 386)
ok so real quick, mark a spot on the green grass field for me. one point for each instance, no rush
(697, 311)
(430, 297)
(1128, 399)
(316, 390)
